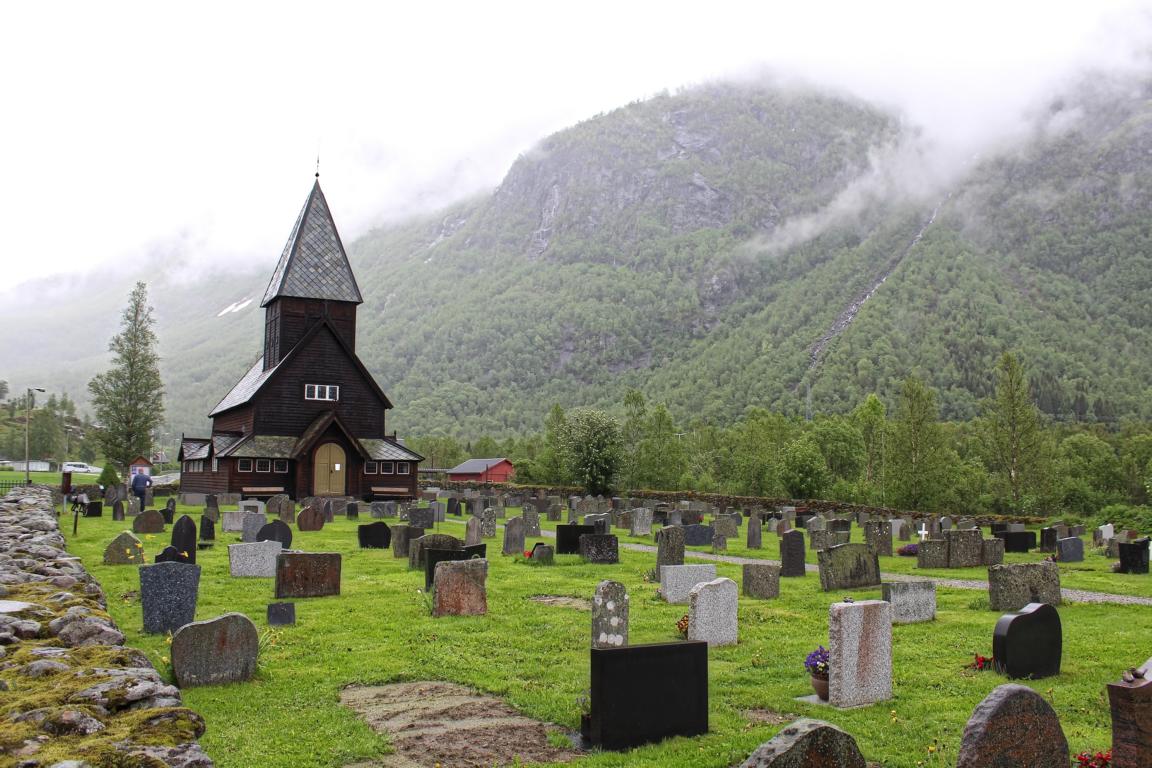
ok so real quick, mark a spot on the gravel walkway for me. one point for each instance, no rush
(1072, 595)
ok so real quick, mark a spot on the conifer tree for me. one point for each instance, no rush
(1012, 428)
(917, 448)
(128, 398)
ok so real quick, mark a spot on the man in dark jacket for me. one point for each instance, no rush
(140, 481)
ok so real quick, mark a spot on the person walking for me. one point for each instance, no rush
(140, 481)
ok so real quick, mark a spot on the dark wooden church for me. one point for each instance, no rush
(307, 419)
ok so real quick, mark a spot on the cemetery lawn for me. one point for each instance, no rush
(378, 630)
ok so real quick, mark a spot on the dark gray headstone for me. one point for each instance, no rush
(277, 530)
(421, 517)
(148, 521)
(1070, 550)
(184, 538)
(221, 650)
(1133, 556)
(352, 510)
(168, 593)
(669, 546)
(374, 536)
(599, 548)
(117, 510)
(697, 535)
(207, 528)
(1028, 643)
(792, 553)
(281, 614)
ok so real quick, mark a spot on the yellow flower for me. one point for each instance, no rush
(128, 552)
(931, 747)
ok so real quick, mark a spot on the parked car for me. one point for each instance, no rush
(79, 467)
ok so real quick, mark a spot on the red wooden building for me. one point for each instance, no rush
(483, 471)
(307, 419)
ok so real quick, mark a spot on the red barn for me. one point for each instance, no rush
(483, 471)
(307, 419)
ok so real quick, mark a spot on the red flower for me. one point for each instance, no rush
(528, 553)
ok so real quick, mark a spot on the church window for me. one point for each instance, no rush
(321, 392)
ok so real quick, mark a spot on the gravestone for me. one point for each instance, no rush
(993, 551)
(697, 535)
(487, 518)
(184, 538)
(254, 506)
(646, 693)
(878, 537)
(417, 546)
(610, 615)
(848, 566)
(171, 555)
(118, 510)
(641, 522)
(402, 535)
(310, 519)
(125, 549)
(725, 526)
(421, 517)
(712, 614)
(568, 538)
(377, 510)
(212, 501)
(860, 653)
(1130, 701)
(542, 553)
(460, 588)
(932, 553)
(352, 510)
(513, 537)
(1104, 532)
(965, 548)
(761, 580)
(531, 522)
(623, 519)
(1048, 539)
(792, 554)
(1028, 643)
(255, 560)
(1013, 586)
(168, 594)
(1133, 556)
(1070, 550)
(675, 517)
(277, 530)
(912, 601)
(281, 614)
(719, 543)
(1013, 726)
(232, 522)
(282, 508)
(807, 744)
(251, 524)
(374, 536)
(472, 531)
(818, 540)
(601, 522)
(840, 525)
(134, 507)
(207, 532)
(669, 546)
(433, 556)
(335, 508)
(755, 533)
(1017, 541)
(220, 650)
(676, 581)
(307, 574)
(170, 509)
(600, 548)
(150, 521)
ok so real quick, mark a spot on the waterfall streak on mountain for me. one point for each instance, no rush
(845, 318)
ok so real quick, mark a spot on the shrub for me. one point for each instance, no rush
(108, 476)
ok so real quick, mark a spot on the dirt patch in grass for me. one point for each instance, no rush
(767, 717)
(560, 601)
(438, 723)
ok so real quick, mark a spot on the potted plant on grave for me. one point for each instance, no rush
(817, 666)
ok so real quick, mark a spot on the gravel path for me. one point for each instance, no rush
(1073, 595)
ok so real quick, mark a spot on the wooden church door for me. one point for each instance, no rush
(329, 468)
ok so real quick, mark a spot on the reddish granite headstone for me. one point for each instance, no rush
(222, 650)
(1132, 720)
(1013, 725)
(460, 588)
(307, 574)
(807, 743)
(310, 519)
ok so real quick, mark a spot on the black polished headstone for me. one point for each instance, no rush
(184, 538)
(1028, 643)
(352, 511)
(277, 530)
(172, 555)
(476, 551)
(642, 694)
(374, 536)
(433, 556)
(453, 506)
(1017, 541)
(568, 538)
(168, 513)
(999, 528)
(697, 535)
(1133, 556)
(1048, 538)
(281, 614)
(207, 528)
(95, 509)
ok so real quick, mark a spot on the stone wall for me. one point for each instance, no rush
(69, 688)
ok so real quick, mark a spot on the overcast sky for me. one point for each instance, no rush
(192, 129)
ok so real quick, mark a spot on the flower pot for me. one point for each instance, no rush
(820, 686)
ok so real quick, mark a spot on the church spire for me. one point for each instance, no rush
(313, 264)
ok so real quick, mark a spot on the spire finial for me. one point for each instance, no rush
(317, 165)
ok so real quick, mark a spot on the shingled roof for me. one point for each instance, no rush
(313, 264)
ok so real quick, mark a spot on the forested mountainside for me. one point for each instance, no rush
(729, 247)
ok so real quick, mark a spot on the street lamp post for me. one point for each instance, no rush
(27, 424)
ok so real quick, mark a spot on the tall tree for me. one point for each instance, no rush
(550, 461)
(916, 449)
(1012, 431)
(128, 398)
(871, 420)
(592, 446)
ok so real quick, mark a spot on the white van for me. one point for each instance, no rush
(80, 467)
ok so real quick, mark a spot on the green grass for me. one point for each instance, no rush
(379, 630)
